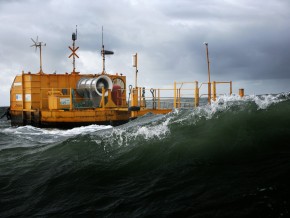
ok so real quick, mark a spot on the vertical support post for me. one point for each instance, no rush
(135, 97)
(241, 93)
(196, 95)
(134, 101)
(22, 93)
(140, 95)
(40, 106)
(209, 93)
(135, 64)
(208, 71)
(74, 60)
(23, 90)
(174, 95)
(104, 59)
(155, 98)
(74, 49)
(214, 90)
(103, 51)
(103, 97)
(158, 98)
(39, 44)
(40, 59)
(179, 98)
(70, 97)
(231, 88)
(40, 90)
(135, 90)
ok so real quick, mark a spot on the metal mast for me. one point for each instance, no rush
(38, 45)
(208, 72)
(74, 49)
(104, 52)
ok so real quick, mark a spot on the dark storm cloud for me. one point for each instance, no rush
(248, 40)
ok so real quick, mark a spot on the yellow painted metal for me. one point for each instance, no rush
(241, 93)
(140, 95)
(134, 101)
(209, 93)
(70, 97)
(135, 97)
(178, 98)
(154, 111)
(110, 103)
(22, 91)
(97, 115)
(102, 104)
(178, 94)
(214, 90)
(45, 92)
(54, 97)
(174, 97)
(196, 95)
(158, 99)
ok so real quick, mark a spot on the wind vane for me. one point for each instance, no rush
(73, 49)
(36, 45)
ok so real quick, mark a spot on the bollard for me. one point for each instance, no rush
(241, 93)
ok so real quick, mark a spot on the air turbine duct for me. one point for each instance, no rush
(90, 86)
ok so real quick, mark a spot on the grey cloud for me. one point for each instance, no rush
(248, 40)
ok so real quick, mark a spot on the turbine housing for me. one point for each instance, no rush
(94, 86)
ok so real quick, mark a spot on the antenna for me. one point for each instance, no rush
(104, 52)
(36, 45)
(102, 37)
(74, 49)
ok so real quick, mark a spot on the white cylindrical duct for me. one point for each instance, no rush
(94, 85)
(81, 86)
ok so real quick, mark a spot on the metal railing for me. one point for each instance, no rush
(68, 98)
(182, 95)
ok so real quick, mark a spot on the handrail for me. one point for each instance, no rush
(182, 94)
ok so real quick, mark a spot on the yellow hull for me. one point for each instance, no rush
(67, 100)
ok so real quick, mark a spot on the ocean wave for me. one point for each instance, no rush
(148, 127)
(233, 152)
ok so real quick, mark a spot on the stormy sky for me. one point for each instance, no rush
(249, 41)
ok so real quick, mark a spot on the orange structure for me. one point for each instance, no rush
(74, 99)
(67, 100)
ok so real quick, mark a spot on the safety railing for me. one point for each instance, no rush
(212, 89)
(68, 98)
(151, 98)
(186, 94)
(183, 95)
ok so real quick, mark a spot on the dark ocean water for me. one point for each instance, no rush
(230, 159)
